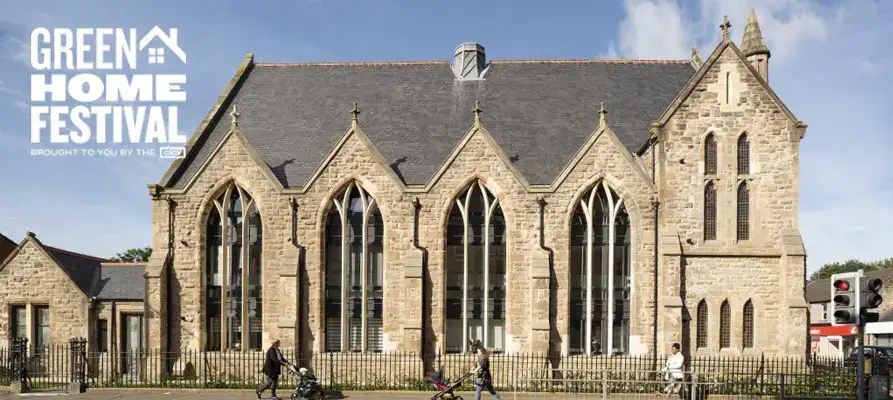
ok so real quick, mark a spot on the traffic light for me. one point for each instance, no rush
(870, 296)
(845, 299)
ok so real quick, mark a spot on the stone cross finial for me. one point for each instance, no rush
(234, 115)
(603, 114)
(355, 112)
(724, 27)
(477, 112)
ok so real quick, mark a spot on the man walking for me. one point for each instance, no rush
(673, 369)
(272, 369)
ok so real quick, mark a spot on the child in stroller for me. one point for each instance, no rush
(444, 387)
(306, 385)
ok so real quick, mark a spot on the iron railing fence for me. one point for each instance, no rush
(55, 366)
(693, 385)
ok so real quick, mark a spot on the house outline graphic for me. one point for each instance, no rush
(169, 40)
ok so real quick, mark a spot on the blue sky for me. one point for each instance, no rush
(831, 64)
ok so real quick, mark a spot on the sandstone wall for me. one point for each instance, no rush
(32, 278)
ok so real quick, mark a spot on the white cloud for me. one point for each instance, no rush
(831, 64)
(653, 29)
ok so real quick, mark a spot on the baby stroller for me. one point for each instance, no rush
(444, 387)
(306, 385)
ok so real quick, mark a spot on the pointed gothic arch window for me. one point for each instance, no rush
(233, 273)
(743, 212)
(475, 271)
(354, 265)
(600, 274)
(725, 325)
(710, 211)
(701, 337)
(710, 155)
(747, 319)
(743, 155)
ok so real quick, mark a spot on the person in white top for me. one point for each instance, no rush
(673, 371)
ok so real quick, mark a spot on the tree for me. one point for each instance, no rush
(850, 266)
(134, 255)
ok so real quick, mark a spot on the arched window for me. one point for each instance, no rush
(354, 262)
(475, 271)
(747, 334)
(743, 212)
(743, 155)
(233, 310)
(702, 325)
(725, 325)
(600, 274)
(710, 211)
(710, 155)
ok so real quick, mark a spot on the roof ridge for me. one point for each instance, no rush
(123, 264)
(444, 62)
(76, 254)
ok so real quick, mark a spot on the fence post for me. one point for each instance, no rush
(77, 355)
(331, 373)
(19, 371)
(604, 385)
(694, 386)
(781, 393)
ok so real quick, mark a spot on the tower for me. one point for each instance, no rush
(754, 47)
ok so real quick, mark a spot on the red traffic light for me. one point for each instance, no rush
(842, 285)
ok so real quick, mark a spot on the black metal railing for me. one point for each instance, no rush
(55, 366)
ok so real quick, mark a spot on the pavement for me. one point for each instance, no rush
(195, 394)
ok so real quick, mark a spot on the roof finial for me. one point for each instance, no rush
(234, 115)
(724, 26)
(477, 113)
(603, 114)
(696, 57)
(355, 112)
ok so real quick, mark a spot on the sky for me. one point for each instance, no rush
(831, 64)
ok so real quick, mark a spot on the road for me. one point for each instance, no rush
(194, 394)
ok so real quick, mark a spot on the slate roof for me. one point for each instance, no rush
(6, 247)
(415, 113)
(819, 291)
(99, 277)
(121, 282)
(82, 269)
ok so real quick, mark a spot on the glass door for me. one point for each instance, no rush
(131, 343)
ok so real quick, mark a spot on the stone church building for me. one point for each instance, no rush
(589, 207)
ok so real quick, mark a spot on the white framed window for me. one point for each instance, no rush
(601, 280)
(354, 262)
(233, 272)
(475, 271)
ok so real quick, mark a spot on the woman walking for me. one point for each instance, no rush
(272, 369)
(483, 379)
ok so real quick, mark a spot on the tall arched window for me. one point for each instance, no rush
(233, 310)
(743, 212)
(710, 155)
(725, 325)
(701, 339)
(747, 319)
(743, 155)
(600, 274)
(710, 211)
(354, 262)
(475, 271)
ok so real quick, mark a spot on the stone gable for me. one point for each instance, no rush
(32, 278)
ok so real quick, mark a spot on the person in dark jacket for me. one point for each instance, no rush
(272, 369)
(483, 378)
